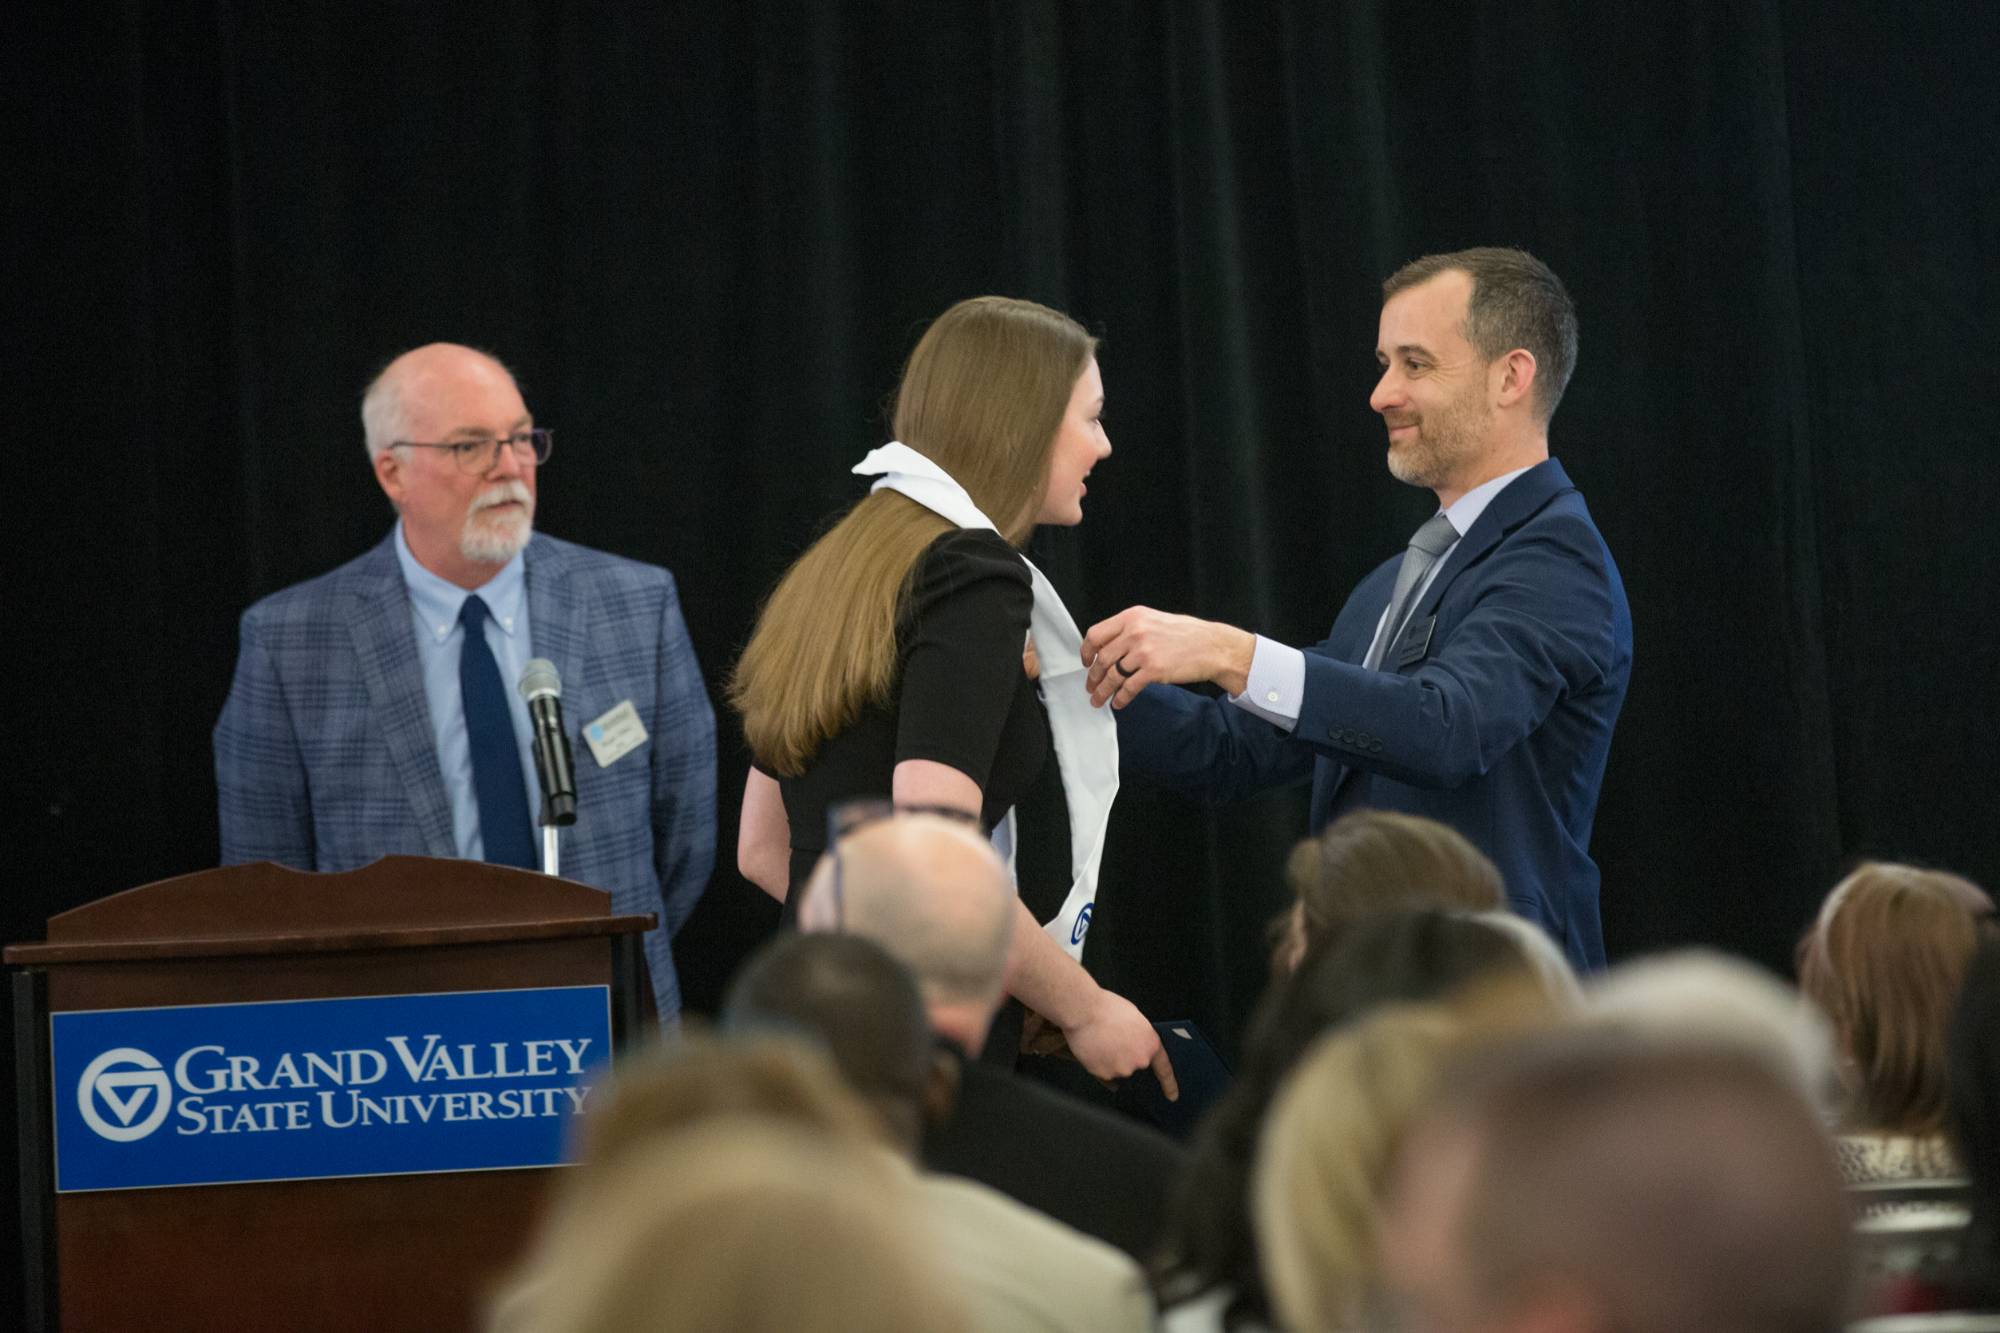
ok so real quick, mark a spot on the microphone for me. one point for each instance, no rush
(542, 688)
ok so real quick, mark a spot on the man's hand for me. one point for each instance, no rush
(1139, 645)
(1115, 1040)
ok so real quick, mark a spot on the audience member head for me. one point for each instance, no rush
(1372, 861)
(1698, 995)
(1323, 1159)
(1582, 1182)
(673, 1086)
(1414, 957)
(1974, 1095)
(752, 1225)
(1553, 975)
(934, 894)
(1884, 961)
(848, 995)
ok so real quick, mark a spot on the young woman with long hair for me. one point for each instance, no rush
(889, 661)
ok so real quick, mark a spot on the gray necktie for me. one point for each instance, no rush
(1433, 539)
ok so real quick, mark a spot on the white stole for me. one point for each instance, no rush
(1086, 738)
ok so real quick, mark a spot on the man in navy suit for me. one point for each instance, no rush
(374, 708)
(1486, 700)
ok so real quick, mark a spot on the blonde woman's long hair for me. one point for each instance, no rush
(983, 396)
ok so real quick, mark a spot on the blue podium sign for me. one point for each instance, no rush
(310, 1089)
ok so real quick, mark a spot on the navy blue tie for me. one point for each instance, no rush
(496, 758)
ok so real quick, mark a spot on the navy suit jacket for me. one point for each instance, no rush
(325, 757)
(1492, 712)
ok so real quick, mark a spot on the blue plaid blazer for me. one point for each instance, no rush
(324, 757)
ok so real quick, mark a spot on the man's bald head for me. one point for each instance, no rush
(436, 419)
(935, 895)
(397, 403)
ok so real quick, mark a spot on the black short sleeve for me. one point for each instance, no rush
(963, 631)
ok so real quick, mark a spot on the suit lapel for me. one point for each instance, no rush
(1517, 502)
(556, 616)
(386, 648)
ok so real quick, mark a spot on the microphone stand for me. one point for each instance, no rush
(551, 855)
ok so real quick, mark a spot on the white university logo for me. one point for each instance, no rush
(124, 1093)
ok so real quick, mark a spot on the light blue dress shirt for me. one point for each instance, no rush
(1276, 687)
(434, 604)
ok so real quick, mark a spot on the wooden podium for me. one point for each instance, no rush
(415, 1251)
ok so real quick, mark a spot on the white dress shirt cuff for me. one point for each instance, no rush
(1277, 684)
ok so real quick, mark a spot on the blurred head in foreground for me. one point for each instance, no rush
(750, 1226)
(1698, 995)
(1584, 1183)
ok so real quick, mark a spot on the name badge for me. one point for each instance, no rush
(1416, 641)
(615, 735)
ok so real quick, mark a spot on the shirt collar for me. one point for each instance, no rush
(1465, 511)
(437, 601)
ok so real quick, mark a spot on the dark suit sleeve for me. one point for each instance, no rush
(1545, 626)
(263, 799)
(683, 727)
(1205, 747)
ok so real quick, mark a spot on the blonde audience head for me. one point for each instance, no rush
(1327, 1146)
(757, 1226)
(1324, 1156)
(734, 1185)
(677, 1085)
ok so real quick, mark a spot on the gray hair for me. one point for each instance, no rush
(1703, 997)
(384, 419)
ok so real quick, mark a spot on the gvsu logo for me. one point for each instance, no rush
(1082, 925)
(125, 1082)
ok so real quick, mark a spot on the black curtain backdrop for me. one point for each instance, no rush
(705, 236)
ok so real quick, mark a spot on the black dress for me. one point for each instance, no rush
(960, 698)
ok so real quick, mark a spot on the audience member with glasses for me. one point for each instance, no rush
(375, 709)
(893, 660)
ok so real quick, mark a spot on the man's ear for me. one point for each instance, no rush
(941, 1088)
(389, 473)
(1516, 372)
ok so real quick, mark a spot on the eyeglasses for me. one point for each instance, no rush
(478, 457)
(847, 818)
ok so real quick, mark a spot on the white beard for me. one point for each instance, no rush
(494, 539)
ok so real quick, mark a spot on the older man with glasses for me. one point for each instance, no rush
(375, 709)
